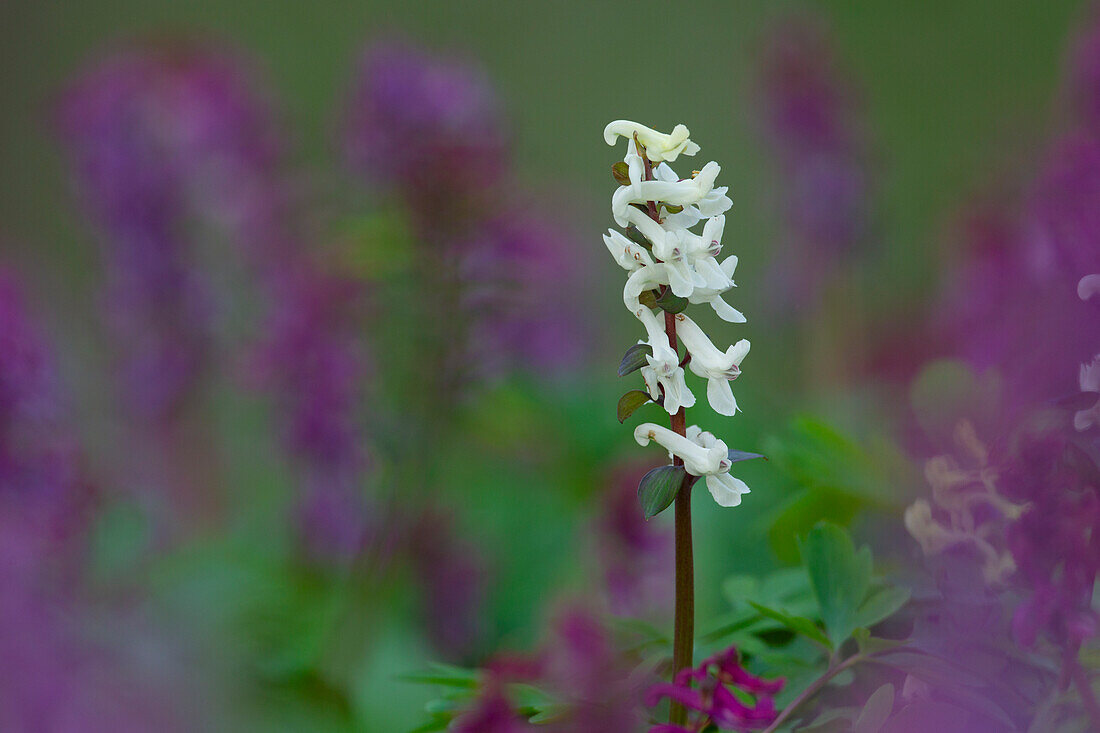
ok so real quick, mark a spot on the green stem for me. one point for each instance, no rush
(812, 690)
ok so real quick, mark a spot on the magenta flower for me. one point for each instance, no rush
(712, 699)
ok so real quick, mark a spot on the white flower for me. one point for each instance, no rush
(663, 375)
(702, 454)
(659, 146)
(1090, 382)
(678, 193)
(718, 368)
(628, 255)
(713, 296)
(713, 204)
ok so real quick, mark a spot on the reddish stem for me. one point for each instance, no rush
(683, 636)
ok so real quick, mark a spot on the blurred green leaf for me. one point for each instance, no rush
(658, 488)
(648, 298)
(839, 576)
(446, 675)
(869, 645)
(880, 605)
(798, 624)
(736, 456)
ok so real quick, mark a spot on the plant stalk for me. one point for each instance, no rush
(683, 628)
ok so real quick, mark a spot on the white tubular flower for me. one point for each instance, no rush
(702, 454)
(1090, 382)
(664, 377)
(718, 368)
(658, 145)
(713, 296)
(678, 193)
(628, 255)
(713, 204)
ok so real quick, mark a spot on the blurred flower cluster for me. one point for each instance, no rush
(327, 418)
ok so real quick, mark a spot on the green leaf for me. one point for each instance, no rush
(839, 576)
(621, 173)
(648, 298)
(740, 455)
(869, 645)
(634, 358)
(671, 302)
(877, 710)
(444, 674)
(881, 605)
(672, 209)
(630, 402)
(638, 238)
(797, 624)
(658, 488)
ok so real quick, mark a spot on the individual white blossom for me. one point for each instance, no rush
(717, 367)
(659, 146)
(702, 454)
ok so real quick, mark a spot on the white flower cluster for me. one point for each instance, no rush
(674, 258)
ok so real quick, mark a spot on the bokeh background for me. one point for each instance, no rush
(495, 487)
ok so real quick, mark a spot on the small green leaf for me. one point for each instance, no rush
(621, 173)
(671, 302)
(444, 674)
(797, 624)
(881, 605)
(740, 455)
(875, 713)
(672, 209)
(630, 402)
(839, 576)
(658, 488)
(634, 359)
(648, 298)
(637, 237)
(869, 645)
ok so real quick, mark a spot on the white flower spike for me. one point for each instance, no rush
(663, 254)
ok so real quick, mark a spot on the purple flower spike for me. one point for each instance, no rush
(162, 142)
(42, 497)
(429, 123)
(314, 364)
(811, 120)
(712, 699)
(522, 276)
(1084, 81)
